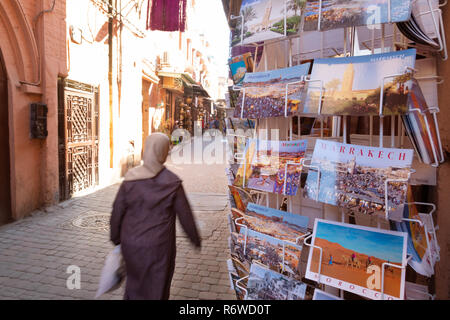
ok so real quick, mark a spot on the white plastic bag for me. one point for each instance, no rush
(113, 272)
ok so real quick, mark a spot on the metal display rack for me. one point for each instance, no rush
(340, 123)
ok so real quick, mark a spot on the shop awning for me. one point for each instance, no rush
(182, 82)
(150, 76)
(172, 81)
(192, 88)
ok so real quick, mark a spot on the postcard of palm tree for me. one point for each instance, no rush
(353, 258)
(266, 20)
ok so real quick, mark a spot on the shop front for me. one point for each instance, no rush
(184, 103)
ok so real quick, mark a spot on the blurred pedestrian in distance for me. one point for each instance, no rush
(216, 123)
(143, 222)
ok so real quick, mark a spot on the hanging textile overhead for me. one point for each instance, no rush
(166, 15)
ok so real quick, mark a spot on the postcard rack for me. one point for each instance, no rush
(438, 25)
(425, 220)
(238, 284)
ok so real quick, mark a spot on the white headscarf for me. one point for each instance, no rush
(155, 154)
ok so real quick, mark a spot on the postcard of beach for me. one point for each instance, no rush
(322, 295)
(265, 20)
(348, 90)
(353, 257)
(278, 255)
(335, 14)
(421, 127)
(419, 246)
(264, 93)
(265, 284)
(354, 177)
(279, 224)
(269, 166)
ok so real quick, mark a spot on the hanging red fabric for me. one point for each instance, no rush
(166, 15)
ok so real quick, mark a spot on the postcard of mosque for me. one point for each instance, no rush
(265, 93)
(335, 14)
(272, 166)
(266, 284)
(352, 259)
(355, 177)
(265, 20)
(280, 224)
(347, 90)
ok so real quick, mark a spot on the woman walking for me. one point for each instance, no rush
(143, 222)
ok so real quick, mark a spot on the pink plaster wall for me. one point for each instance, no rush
(34, 163)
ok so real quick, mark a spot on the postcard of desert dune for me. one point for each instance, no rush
(352, 259)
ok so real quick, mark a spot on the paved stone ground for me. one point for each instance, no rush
(36, 252)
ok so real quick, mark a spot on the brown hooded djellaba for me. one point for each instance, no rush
(143, 222)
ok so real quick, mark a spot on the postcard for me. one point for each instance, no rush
(420, 243)
(232, 96)
(347, 90)
(265, 284)
(355, 177)
(241, 266)
(265, 20)
(279, 224)
(280, 256)
(421, 127)
(335, 14)
(322, 295)
(272, 166)
(241, 197)
(353, 257)
(239, 66)
(231, 171)
(264, 93)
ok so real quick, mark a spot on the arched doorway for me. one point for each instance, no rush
(5, 182)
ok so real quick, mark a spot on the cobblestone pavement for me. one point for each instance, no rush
(35, 252)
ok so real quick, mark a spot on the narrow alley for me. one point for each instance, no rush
(36, 252)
